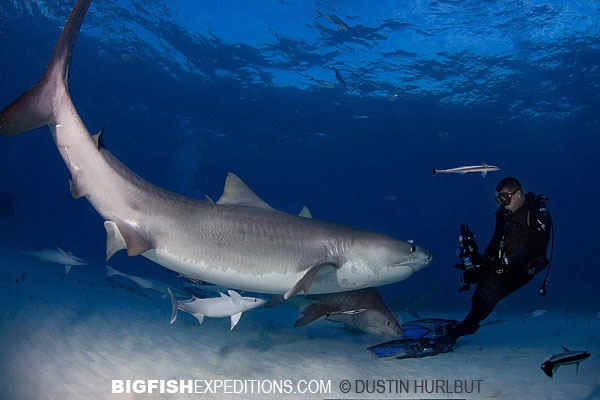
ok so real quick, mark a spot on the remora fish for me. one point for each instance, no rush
(58, 256)
(215, 307)
(550, 365)
(146, 283)
(363, 309)
(483, 168)
(239, 242)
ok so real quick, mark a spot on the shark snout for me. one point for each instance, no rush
(427, 260)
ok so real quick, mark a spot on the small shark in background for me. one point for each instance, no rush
(533, 315)
(550, 365)
(145, 283)
(483, 168)
(334, 19)
(363, 309)
(339, 77)
(323, 83)
(58, 256)
(215, 307)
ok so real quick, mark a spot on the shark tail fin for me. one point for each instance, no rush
(35, 108)
(548, 368)
(174, 307)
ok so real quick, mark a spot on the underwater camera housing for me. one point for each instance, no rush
(468, 253)
(467, 246)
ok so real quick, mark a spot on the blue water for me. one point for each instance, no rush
(191, 90)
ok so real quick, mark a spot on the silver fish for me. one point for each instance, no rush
(483, 168)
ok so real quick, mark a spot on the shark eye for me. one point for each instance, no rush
(412, 248)
(387, 322)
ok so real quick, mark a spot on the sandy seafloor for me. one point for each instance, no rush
(67, 336)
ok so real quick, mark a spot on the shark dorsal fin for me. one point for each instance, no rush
(305, 212)
(564, 348)
(238, 193)
(484, 164)
(62, 252)
(235, 296)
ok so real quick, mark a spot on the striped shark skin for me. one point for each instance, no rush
(483, 168)
(238, 242)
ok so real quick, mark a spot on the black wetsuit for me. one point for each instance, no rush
(515, 254)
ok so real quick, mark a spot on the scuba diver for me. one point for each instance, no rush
(515, 254)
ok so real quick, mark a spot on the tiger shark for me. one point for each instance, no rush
(239, 242)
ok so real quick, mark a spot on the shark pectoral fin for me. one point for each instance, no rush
(238, 193)
(305, 212)
(199, 317)
(114, 240)
(313, 312)
(304, 283)
(235, 318)
(235, 296)
(483, 173)
(67, 268)
(577, 369)
(275, 300)
(174, 307)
